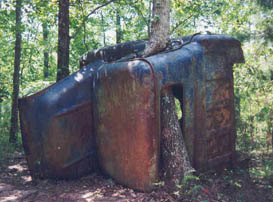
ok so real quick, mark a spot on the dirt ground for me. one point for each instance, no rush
(236, 185)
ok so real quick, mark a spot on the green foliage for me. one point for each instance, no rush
(4, 118)
(178, 108)
(34, 87)
(253, 91)
(264, 171)
(5, 147)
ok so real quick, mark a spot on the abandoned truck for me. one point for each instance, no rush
(108, 113)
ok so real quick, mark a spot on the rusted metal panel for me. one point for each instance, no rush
(220, 115)
(73, 142)
(127, 123)
(57, 128)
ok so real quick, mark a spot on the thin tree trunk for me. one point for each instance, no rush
(63, 40)
(160, 27)
(270, 123)
(118, 26)
(149, 20)
(17, 60)
(103, 29)
(175, 160)
(84, 28)
(46, 54)
(84, 37)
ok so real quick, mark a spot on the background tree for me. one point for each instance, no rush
(63, 40)
(118, 26)
(46, 53)
(17, 60)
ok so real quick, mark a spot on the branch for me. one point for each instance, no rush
(84, 29)
(132, 4)
(180, 23)
(84, 20)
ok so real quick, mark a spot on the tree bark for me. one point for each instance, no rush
(175, 160)
(160, 27)
(149, 20)
(46, 54)
(17, 60)
(103, 29)
(270, 127)
(63, 40)
(118, 26)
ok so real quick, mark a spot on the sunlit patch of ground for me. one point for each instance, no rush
(237, 185)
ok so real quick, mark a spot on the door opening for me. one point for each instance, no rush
(178, 95)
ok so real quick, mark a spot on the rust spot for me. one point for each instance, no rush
(67, 143)
(128, 143)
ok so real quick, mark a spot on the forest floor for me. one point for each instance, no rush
(230, 185)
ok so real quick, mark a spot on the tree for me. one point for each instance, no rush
(17, 60)
(118, 26)
(64, 37)
(175, 157)
(46, 54)
(63, 40)
(160, 32)
(174, 154)
(103, 29)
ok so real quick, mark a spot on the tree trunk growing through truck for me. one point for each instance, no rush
(175, 160)
(160, 31)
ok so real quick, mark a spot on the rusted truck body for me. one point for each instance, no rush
(57, 129)
(110, 109)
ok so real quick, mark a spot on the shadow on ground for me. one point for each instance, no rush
(236, 185)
